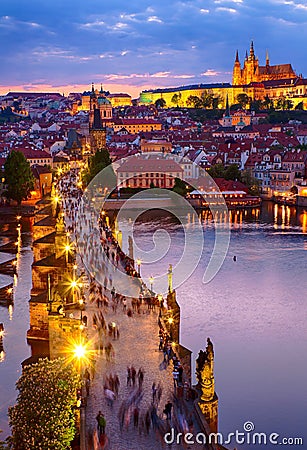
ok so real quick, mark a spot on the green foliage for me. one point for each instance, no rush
(216, 100)
(176, 99)
(99, 161)
(267, 103)
(217, 171)
(232, 172)
(7, 115)
(160, 103)
(180, 187)
(299, 106)
(256, 105)
(194, 102)
(18, 177)
(251, 182)
(201, 115)
(284, 104)
(43, 417)
(243, 100)
(207, 99)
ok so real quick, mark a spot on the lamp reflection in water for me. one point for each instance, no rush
(2, 352)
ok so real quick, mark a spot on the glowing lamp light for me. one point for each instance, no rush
(170, 320)
(10, 290)
(75, 267)
(73, 284)
(56, 199)
(79, 351)
(18, 218)
(67, 247)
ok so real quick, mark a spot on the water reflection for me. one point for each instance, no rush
(255, 312)
(14, 308)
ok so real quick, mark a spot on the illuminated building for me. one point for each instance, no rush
(257, 82)
(140, 172)
(251, 72)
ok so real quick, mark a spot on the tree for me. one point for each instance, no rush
(216, 100)
(232, 172)
(299, 106)
(283, 103)
(44, 415)
(217, 171)
(256, 105)
(267, 103)
(160, 103)
(243, 100)
(180, 187)
(99, 161)
(18, 177)
(194, 101)
(251, 182)
(206, 99)
(176, 98)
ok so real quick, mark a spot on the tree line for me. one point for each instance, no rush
(209, 101)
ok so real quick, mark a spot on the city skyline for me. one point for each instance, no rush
(65, 47)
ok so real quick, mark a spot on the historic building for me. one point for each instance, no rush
(144, 172)
(251, 72)
(100, 116)
(257, 82)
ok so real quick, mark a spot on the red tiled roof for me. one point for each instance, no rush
(139, 164)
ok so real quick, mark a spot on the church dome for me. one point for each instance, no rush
(103, 101)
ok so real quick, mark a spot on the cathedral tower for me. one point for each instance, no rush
(236, 75)
(251, 72)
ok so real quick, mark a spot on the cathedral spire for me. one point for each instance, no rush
(237, 56)
(267, 61)
(246, 55)
(227, 112)
(251, 51)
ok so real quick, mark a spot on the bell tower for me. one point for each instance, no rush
(96, 127)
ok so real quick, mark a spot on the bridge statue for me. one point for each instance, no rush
(208, 402)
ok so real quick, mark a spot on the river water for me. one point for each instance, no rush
(254, 311)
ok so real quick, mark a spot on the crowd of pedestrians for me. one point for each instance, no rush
(101, 255)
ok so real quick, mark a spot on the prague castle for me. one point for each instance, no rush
(257, 82)
(252, 72)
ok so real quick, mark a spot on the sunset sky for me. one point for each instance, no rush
(128, 46)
